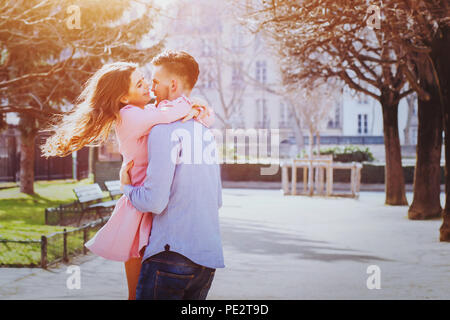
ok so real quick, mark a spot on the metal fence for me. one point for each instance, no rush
(45, 169)
(9, 161)
(57, 247)
(69, 214)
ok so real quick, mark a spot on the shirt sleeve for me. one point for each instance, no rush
(219, 196)
(153, 195)
(139, 122)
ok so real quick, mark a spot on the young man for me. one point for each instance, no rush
(183, 191)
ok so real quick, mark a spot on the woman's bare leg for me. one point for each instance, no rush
(132, 269)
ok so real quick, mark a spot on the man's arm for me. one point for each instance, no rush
(219, 188)
(153, 195)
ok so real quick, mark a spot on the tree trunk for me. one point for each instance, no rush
(318, 143)
(27, 154)
(310, 167)
(393, 172)
(427, 174)
(439, 55)
(297, 128)
(318, 173)
(27, 164)
(411, 100)
(299, 138)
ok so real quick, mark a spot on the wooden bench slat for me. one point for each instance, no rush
(103, 204)
(91, 188)
(112, 183)
(88, 193)
(113, 187)
(89, 198)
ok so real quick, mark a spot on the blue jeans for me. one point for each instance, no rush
(171, 276)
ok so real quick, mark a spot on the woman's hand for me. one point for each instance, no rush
(124, 175)
(199, 110)
(204, 111)
(194, 113)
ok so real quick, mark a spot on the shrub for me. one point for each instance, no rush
(347, 154)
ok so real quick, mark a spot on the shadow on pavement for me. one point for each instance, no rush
(254, 238)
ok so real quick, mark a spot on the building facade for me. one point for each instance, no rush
(239, 77)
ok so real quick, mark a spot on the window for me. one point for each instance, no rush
(237, 40)
(362, 98)
(207, 49)
(261, 71)
(206, 79)
(200, 82)
(337, 117)
(284, 115)
(414, 136)
(237, 119)
(257, 42)
(262, 120)
(335, 122)
(210, 81)
(236, 74)
(362, 124)
(366, 125)
(415, 103)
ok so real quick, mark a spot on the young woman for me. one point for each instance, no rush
(118, 94)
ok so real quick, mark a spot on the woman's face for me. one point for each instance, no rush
(139, 92)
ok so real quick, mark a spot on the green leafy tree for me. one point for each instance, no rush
(49, 48)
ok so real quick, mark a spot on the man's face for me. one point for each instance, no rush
(160, 84)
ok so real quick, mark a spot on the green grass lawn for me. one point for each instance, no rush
(22, 216)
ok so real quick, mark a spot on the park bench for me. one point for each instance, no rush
(113, 187)
(90, 198)
(324, 164)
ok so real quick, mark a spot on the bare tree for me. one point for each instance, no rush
(314, 107)
(228, 89)
(422, 32)
(331, 39)
(413, 42)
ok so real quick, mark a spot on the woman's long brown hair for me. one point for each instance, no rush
(94, 113)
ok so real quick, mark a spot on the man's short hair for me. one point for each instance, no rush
(179, 63)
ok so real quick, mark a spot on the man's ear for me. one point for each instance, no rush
(173, 85)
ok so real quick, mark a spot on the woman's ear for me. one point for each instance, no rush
(124, 99)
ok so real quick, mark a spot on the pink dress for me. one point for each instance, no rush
(126, 233)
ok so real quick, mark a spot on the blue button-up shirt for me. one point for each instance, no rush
(183, 190)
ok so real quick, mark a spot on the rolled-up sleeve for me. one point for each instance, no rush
(153, 195)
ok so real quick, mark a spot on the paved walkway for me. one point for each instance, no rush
(287, 247)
